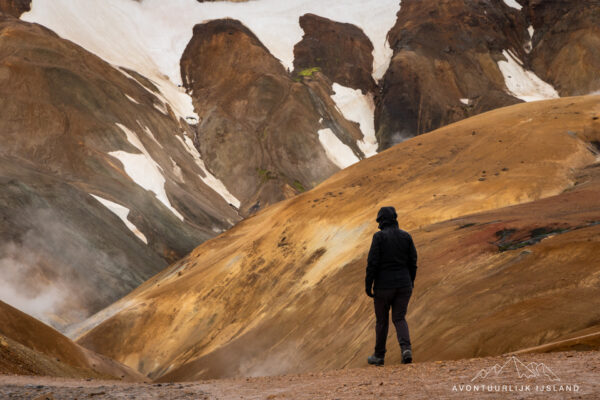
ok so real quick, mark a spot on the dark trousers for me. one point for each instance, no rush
(397, 299)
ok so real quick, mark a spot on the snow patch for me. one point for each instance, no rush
(150, 36)
(208, 178)
(529, 44)
(513, 4)
(465, 101)
(131, 99)
(125, 33)
(149, 132)
(522, 83)
(143, 170)
(122, 213)
(177, 170)
(340, 154)
(359, 108)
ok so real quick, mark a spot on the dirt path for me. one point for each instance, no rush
(565, 375)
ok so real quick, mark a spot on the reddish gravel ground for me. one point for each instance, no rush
(578, 375)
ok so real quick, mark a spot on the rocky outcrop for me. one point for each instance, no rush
(259, 129)
(565, 44)
(15, 7)
(341, 51)
(445, 51)
(101, 184)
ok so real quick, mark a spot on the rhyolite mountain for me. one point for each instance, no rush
(123, 148)
(565, 44)
(457, 58)
(445, 51)
(101, 184)
(107, 177)
(259, 129)
(503, 208)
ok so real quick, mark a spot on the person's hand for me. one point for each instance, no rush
(369, 292)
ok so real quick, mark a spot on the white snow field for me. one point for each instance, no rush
(340, 154)
(149, 36)
(121, 212)
(360, 108)
(522, 83)
(143, 170)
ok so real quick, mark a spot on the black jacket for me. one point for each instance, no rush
(392, 260)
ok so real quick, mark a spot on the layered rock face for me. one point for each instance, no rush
(102, 186)
(15, 7)
(503, 208)
(341, 51)
(445, 51)
(259, 129)
(565, 43)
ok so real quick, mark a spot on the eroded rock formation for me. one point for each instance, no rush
(342, 52)
(258, 128)
(445, 51)
(565, 43)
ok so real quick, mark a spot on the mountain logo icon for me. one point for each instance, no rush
(528, 371)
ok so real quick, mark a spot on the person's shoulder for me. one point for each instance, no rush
(405, 234)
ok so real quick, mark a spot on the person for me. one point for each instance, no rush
(390, 278)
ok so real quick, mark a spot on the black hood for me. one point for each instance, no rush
(387, 217)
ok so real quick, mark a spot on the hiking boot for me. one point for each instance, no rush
(374, 360)
(407, 356)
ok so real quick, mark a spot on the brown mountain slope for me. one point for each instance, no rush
(283, 290)
(28, 347)
(444, 51)
(73, 126)
(258, 128)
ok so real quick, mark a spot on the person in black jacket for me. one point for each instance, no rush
(391, 271)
